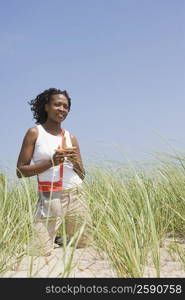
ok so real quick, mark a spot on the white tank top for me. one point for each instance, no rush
(45, 146)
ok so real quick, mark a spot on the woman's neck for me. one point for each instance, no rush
(52, 127)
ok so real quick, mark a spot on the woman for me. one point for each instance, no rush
(59, 169)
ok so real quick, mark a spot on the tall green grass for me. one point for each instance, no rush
(133, 210)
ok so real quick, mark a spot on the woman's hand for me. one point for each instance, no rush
(60, 154)
(71, 154)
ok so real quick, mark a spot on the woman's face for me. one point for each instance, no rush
(57, 108)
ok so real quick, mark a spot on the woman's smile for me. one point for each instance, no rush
(61, 115)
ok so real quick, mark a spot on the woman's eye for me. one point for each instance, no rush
(58, 105)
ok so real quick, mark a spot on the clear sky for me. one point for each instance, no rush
(122, 62)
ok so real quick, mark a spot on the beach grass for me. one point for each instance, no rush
(133, 209)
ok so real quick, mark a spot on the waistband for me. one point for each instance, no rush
(73, 189)
(54, 187)
(47, 186)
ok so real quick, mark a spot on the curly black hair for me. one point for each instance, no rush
(37, 104)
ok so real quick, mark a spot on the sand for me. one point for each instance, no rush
(91, 263)
(170, 263)
(86, 263)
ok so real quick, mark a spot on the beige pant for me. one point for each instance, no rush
(69, 207)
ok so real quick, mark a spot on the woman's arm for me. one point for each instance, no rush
(24, 169)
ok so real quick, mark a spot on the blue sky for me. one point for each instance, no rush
(122, 62)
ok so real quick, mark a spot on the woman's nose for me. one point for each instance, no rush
(61, 108)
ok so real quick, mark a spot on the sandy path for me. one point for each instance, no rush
(88, 263)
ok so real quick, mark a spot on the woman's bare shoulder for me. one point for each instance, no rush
(32, 133)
